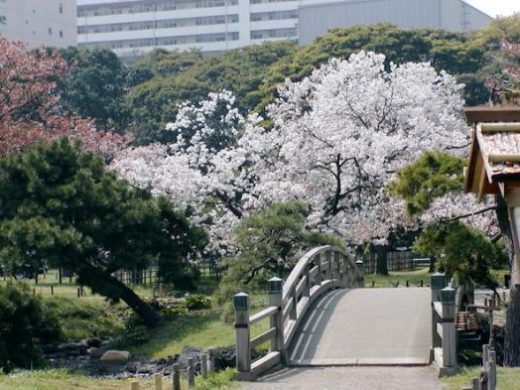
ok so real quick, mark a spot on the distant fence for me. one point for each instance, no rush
(205, 366)
(396, 261)
(149, 277)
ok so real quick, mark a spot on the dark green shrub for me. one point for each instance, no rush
(197, 302)
(23, 326)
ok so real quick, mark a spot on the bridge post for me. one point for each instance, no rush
(329, 257)
(307, 288)
(438, 282)
(318, 278)
(274, 291)
(449, 334)
(242, 333)
(360, 266)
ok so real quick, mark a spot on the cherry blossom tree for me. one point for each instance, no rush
(30, 111)
(340, 135)
(204, 170)
(337, 138)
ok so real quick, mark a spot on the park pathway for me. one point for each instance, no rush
(361, 339)
(349, 378)
(381, 326)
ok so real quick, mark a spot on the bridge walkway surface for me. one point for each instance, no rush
(361, 339)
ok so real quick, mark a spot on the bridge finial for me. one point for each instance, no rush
(274, 285)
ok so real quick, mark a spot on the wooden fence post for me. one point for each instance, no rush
(134, 385)
(360, 266)
(274, 291)
(204, 366)
(176, 377)
(52, 289)
(492, 371)
(449, 334)
(191, 374)
(211, 360)
(158, 381)
(242, 333)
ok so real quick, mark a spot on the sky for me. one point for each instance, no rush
(496, 7)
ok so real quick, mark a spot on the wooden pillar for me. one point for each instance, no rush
(360, 267)
(204, 366)
(176, 377)
(438, 282)
(191, 374)
(242, 334)
(307, 287)
(492, 371)
(328, 256)
(158, 381)
(274, 291)
(318, 278)
(449, 334)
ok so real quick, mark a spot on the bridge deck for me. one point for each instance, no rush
(366, 327)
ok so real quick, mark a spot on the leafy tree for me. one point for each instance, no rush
(433, 175)
(29, 110)
(23, 324)
(453, 52)
(269, 243)
(62, 207)
(95, 87)
(463, 252)
(180, 77)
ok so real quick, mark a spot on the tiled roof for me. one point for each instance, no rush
(500, 147)
(501, 151)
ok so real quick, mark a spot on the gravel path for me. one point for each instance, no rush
(349, 378)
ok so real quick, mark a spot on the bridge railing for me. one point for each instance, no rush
(444, 335)
(318, 271)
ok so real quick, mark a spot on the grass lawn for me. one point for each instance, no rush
(413, 277)
(61, 379)
(508, 378)
(203, 329)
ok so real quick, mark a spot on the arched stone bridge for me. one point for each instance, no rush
(321, 316)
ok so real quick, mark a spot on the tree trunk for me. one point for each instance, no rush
(382, 257)
(104, 283)
(512, 331)
(512, 336)
(148, 315)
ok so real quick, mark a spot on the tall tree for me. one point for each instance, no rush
(29, 110)
(378, 119)
(95, 87)
(60, 206)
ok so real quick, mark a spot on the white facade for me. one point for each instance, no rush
(135, 27)
(39, 22)
(450, 15)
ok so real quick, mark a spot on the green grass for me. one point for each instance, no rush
(507, 378)
(61, 379)
(413, 277)
(57, 379)
(80, 319)
(203, 329)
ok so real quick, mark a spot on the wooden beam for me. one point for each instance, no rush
(481, 114)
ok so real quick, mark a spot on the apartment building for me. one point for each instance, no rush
(39, 22)
(134, 27)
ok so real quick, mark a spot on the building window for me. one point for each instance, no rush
(61, 8)
(50, 30)
(61, 34)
